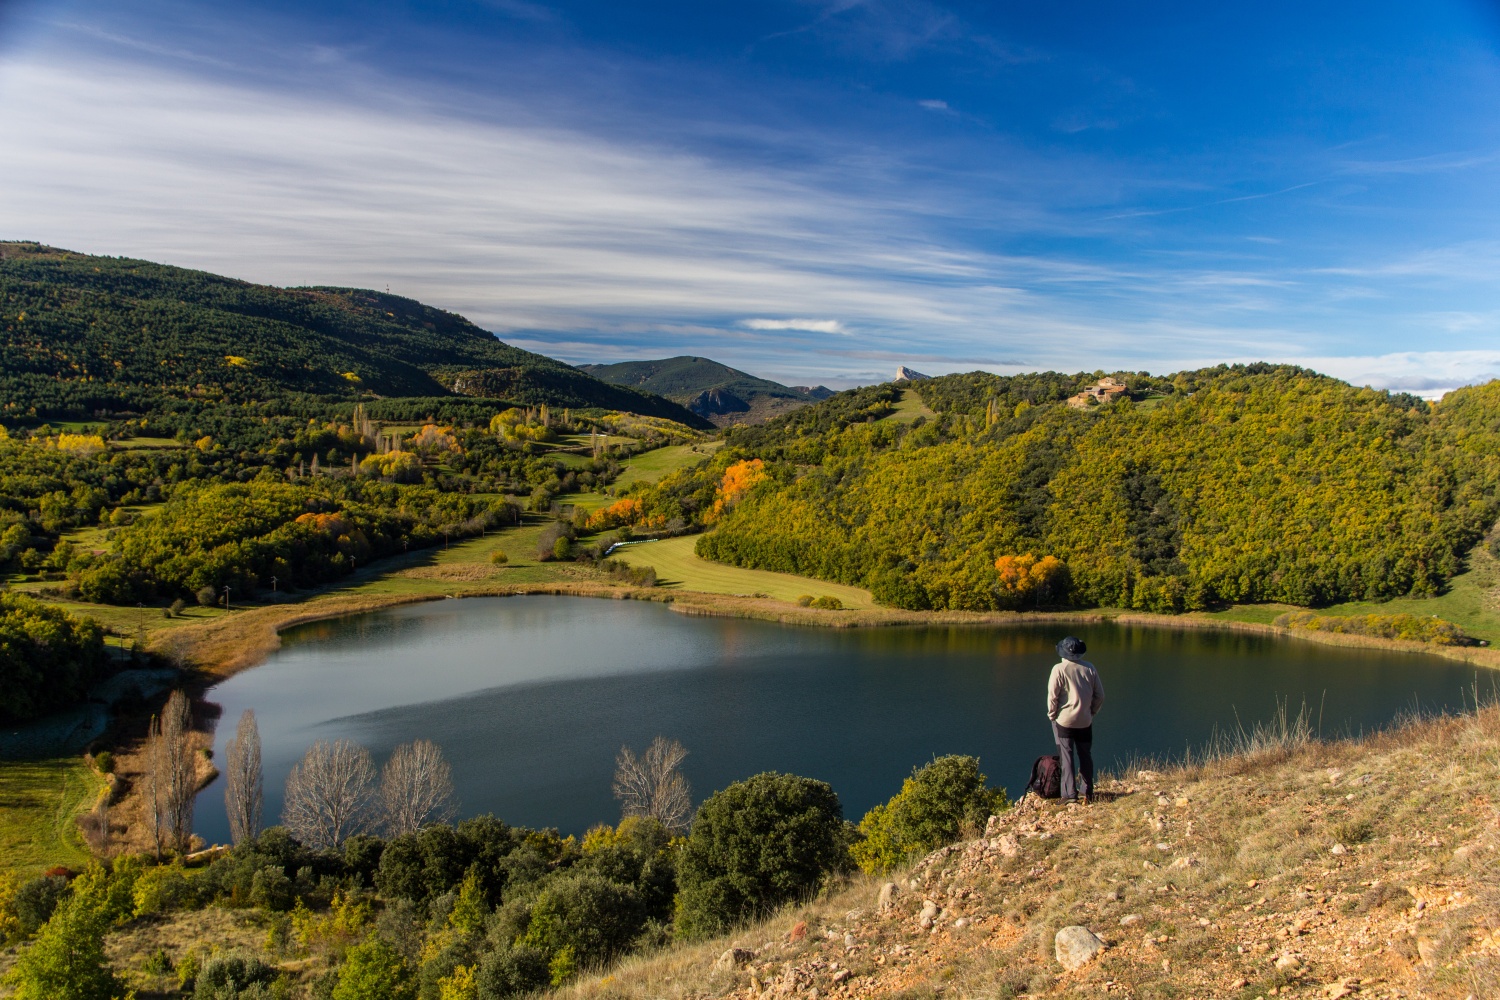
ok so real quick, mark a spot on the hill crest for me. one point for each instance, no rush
(84, 334)
(715, 391)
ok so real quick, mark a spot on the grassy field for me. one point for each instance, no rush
(677, 566)
(910, 408)
(95, 537)
(653, 465)
(39, 801)
(147, 444)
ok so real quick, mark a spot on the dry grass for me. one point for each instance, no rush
(204, 933)
(1222, 867)
(462, 572)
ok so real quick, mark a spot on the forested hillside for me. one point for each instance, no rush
(80, 334)
(1231, 484)
(717, 392)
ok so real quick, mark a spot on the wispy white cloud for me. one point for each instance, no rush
(807, 325)
(582, 244)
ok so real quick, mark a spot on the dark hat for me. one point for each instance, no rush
(1071, 648)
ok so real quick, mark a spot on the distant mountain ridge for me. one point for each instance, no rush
(712, 390)
(81, 334)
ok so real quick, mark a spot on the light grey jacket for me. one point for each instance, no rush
(1074, 694)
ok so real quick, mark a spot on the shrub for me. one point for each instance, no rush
(362, 854)
(827, 603)
(512, 971)
(234, 977)
(639, 576)
(207, 596)
(162, 889)
(547, 545)
(938, 804)
(375, 971)
(418, 866)
(805, 600)
(35, 901)
(755, 845)
(638, 852)
(66, 962)
(1411, 628)
(178, 604)
(271, 889)
(585, 915)
(105, 762)
(499, 558)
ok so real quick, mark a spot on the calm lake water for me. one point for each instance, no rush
(531, 697)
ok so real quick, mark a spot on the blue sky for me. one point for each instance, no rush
(815, 192)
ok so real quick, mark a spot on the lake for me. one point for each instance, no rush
(531, 697)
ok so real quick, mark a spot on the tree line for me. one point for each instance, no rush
(268, 533)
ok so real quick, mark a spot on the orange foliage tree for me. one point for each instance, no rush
(432, 439)
(738, 480)
(626, 511)
(1024, 578)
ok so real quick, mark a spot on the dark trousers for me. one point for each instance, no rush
(1077, 782)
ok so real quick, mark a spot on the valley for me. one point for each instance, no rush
(256, 492)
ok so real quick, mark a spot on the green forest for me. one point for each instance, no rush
(1226, 485)
(84, 335)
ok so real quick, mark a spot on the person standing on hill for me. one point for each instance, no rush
(1074, 696)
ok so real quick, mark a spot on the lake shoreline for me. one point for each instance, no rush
(224, 647)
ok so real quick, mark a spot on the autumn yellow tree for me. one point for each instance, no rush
(1025, 578)
(739, 479)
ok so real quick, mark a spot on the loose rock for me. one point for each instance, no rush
(888, 894)
(734, 958)
(1076, 946)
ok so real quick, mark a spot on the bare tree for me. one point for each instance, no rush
(416, 788)
(172, 775)
(156, 771)
(243, 787)
(652, 784)
(328, 793)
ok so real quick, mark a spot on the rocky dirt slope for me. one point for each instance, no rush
(1303, 869)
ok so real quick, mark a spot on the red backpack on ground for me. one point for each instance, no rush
(1046, 777)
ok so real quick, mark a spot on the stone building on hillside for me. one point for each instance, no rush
(1106, 390)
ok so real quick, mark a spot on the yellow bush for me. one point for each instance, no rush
(344, 924)
(161, 889)
(739, 479)
(79, 444)
(398, 466)
(522, 425)
(460, 984)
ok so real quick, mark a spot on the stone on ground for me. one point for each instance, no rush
(1076, 947)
